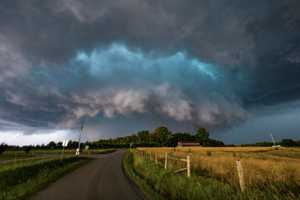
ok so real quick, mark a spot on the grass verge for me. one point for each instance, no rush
(140, 182)
(22, 181)
(152, 178)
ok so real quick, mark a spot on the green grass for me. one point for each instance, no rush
(11, 155)
(140, 182)
(16, 157)
(174, 186)
(24, 179)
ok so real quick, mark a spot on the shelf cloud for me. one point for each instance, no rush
(180, 63)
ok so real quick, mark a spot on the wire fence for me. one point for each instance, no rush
(183, 164)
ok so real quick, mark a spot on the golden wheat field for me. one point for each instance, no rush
(261, 165)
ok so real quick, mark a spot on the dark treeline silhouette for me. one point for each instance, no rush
(159, 137)
(283, 142)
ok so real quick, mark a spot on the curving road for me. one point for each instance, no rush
(102, 179)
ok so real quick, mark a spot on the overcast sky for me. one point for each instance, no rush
(126, 65)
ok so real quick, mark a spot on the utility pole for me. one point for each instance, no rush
(273, 140)
(79, 139)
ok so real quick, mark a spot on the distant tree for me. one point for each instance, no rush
(3, 147)
(27, 149)
(213, 143)
(59, 144)
(202, 135)
(263, 144)
(51, 145)
(144, 136)
(161, 135)
(133, 139)
(288, 143)
(72, 144)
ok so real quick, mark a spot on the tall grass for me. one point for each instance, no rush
(19, 181)
(265, 170)
(17, 155)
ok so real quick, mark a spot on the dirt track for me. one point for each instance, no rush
(102, 179)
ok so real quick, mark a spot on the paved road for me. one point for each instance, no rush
(102, 179)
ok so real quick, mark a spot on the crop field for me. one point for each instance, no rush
(267, 171)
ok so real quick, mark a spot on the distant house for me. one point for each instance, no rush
(188, 144)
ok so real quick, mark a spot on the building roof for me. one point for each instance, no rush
(188, 143)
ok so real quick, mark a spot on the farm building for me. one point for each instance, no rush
(188, 144)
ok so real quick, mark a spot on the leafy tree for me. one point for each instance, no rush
(202, 135)
(3, 147)
(52, 145)
(161, 135)
(72, 144)
(27, 149)
(59, 144)
(288, 143)
(263, 144)
(213, 143)
(144, 136)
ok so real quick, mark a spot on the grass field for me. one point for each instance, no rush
(268, 173)
(12, 156)
(22, 174)
(20, 180)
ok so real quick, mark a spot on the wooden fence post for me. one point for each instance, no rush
(166, 160)
(188, 166)
(240, 175)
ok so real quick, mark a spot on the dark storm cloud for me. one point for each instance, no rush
(53, 30)
(115, 80)
(253, 46)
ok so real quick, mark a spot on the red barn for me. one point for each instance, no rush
(188, 144)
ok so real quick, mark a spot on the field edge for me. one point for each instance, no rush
(139, 182)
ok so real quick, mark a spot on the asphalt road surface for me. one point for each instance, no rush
(102, 179)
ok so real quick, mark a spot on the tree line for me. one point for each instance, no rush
(284, 142)
(159, 137)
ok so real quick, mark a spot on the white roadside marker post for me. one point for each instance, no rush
(64, 144)
(240, 175)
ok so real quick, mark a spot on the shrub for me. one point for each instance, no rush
(27, 149)
(3, 148)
